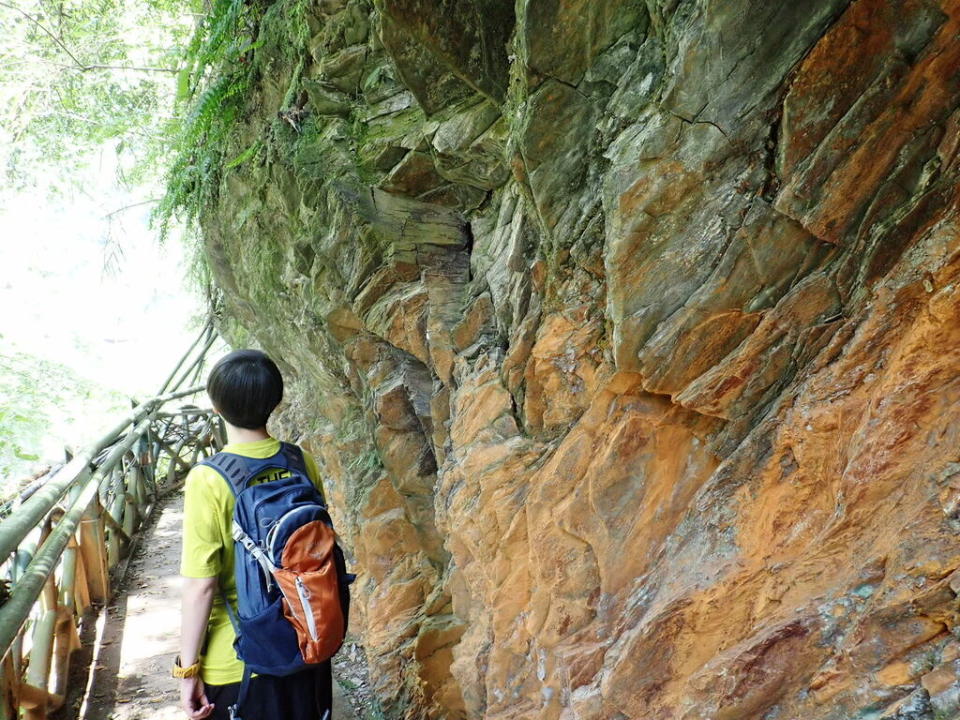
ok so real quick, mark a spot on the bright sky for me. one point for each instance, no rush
(98, 295)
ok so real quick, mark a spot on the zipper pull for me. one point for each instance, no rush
(307, 610)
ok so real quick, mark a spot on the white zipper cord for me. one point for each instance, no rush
(307, 611)
(271, 537)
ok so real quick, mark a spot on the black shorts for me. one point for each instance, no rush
(305, 695)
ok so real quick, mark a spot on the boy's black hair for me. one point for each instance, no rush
(245, 386)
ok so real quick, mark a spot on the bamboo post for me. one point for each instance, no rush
(68, 576)
(116, 516)
(9, 689)
(66, 638)
(172, 470)
(147, 459)
(73, 591)
(128, 487)
(38, 671)
(130, 519)
(81, 588)
(116, 527)
(15, 611)
(16, 649)
(48, 597)
(115, 492)
(138, 486)
(93, 553)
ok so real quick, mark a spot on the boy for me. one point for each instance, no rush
(244, 388)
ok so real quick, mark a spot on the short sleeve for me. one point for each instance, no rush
(203, 540)
(314, 472)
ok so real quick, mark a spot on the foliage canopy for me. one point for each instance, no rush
(78, 76)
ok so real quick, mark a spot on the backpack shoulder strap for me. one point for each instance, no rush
(231, 467)
(237, 469)
(294, 457)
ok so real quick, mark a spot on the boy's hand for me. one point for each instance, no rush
(193, 698)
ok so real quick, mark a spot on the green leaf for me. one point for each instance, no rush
(373, 78)
(245, 155)
(183, 84)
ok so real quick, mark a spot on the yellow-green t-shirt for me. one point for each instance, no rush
(208, 550)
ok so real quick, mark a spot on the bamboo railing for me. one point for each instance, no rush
(61, 544)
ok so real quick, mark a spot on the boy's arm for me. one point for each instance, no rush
(199, 566)
(197, 600)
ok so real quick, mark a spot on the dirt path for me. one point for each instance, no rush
(133, 642)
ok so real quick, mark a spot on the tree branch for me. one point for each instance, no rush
(130, 207)
(40, 25)
(80, 66)
(134, 68)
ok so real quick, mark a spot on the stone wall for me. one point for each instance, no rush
(627, 335)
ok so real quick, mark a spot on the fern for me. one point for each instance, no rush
(247, 154)
(216, 77)
(211, 89)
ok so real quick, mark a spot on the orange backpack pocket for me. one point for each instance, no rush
(311, 591)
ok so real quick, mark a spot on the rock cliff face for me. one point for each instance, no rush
(628, 336)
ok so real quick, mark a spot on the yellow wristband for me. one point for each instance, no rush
(185, 672)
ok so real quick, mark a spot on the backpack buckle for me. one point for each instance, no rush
(233, 713)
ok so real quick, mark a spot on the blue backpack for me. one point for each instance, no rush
(293, 599)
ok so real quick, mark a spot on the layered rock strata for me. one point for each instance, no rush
(628, 336)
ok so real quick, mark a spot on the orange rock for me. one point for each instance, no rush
(661, 424)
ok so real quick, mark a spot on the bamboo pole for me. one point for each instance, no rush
(81, 587)
(172, 470)
(17, 525)
(41, 655)
(93, 554)
(208, 324)
(15, 655)
(130, 519)
(116, 527)
(193, 412)
(9, 689)
(128, 486)
(84, 575)
(68, 576)
(174, 456)
(37, 701)
(48, 596)
(148, 461)
(66, 640)
(138, 486)
(114, 518)
(198, 361)
(15, 611)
